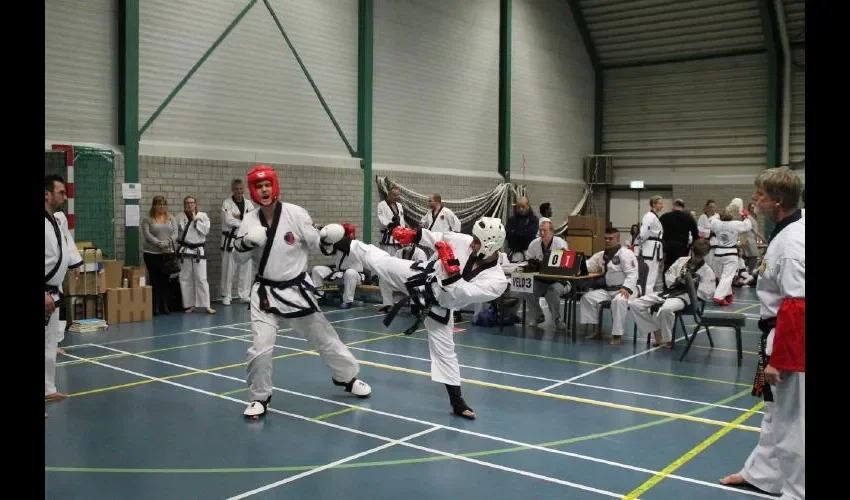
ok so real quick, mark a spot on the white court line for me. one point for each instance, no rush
(599, 369)
(511, 442)
(478, 368)
(232, 327)
(352, 430)
(332, 464)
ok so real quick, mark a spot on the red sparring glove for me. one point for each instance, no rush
(447, 257)
(789, 337)
(745, 214)
(404, 236)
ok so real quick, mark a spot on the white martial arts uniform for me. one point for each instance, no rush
(469, 287)
(552, 290)
(412, 253)
(620, 272)
(386, 214)
(725, 259)
(703, 223)
(348, 271)
(778, 463)
(652, 250)
(670, 301)
(192, 235)
(282, 292)
(229, 270)
(60, 255)
(443, 221)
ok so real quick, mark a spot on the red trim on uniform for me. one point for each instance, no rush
(789, 337)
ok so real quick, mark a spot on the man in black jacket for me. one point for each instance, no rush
(521, 230)
(677, 225)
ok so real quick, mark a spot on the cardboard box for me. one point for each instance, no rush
(129, 305)
(113, 271)
(79, 283)
(84, 307)
(133, 274)
(586, 234)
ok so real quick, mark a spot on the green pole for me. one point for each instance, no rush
(365, 35)
(130, 126)
(770, 27)
(505, 11)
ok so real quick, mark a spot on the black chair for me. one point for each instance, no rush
(721, 319)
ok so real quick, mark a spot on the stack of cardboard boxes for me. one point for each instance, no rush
(107, 289)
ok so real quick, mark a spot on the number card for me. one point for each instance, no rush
(564, 259)
(522, 282)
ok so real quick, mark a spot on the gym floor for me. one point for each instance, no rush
(155, 411)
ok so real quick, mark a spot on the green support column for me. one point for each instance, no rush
(365, 34)
(505, 12)
(770, 27)
(130, 108)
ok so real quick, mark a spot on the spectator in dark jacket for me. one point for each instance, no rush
(680, 230)
(521, 230)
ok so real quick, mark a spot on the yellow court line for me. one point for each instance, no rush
(214, 369)
(335, 413)
(570, 360)
(564, 397)
(687, 457)
(747, 308)
(152, 351)
(468, 381)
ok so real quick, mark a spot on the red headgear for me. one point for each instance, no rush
(263, 173)
(349, 230)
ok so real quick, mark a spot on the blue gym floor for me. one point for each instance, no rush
(155, 411)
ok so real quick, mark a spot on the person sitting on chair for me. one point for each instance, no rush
(619, 266)
(656, 312)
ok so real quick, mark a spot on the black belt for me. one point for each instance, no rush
(193, 256)
(227, 244)
(422, 302)
(53, 290)
(760, 386)
(299, 282)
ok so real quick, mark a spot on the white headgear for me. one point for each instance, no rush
(738, 203)
(490, 233)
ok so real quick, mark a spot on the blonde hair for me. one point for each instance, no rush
(780, 184)
(157, 198)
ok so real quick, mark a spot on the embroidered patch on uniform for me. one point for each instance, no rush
(289, 238)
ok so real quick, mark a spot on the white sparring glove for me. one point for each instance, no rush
(256, 237)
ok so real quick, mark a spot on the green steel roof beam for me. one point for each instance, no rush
(310, 79)
(599, 74)
(365, 32)
(195, 68)
(128, 22)
(505, 13)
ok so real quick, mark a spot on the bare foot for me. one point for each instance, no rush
(657, 335)
(190, 310)
(56, 396)
(615, 341)
(61, 351)
(210, 310)
(733, 480)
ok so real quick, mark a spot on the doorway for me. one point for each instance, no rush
(628, 206)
